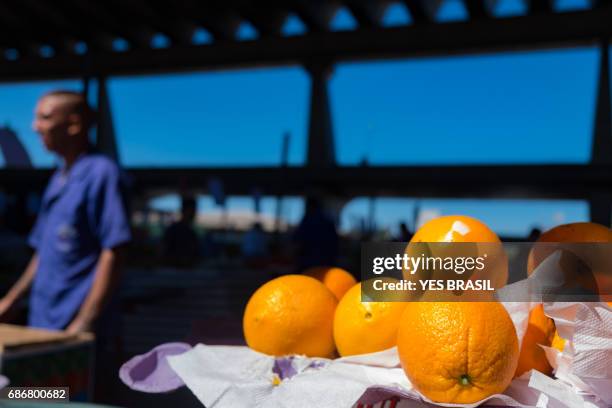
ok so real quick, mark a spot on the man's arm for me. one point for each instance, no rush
(19, 289)
(108, 274)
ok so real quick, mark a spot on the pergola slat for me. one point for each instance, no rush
(218, 21)
(96, 38)
(16, 34)
(97, 13)
(40, 27)
(526, 32)
(419, 11)
(159, 17)
(478, 8)
(267, 22)
(316, 16)
(539, 6)
(367, 13)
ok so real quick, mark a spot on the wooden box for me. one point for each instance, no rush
(43, 358)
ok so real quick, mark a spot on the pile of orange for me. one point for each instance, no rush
(338, 280)
(452, 352)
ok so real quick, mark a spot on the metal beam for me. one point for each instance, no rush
(106, 141)
(421, 11)
(478, 8)
(219, 22)
(321, 149)
(486, 35)
(315, 17)
(267, 21)
(14, 34)
(601, 152)
(539, 6)
(160, 17)
(98, 13)
(367, 13)
(39, 26)
(600, 209)
(517, 181)
(72, 21)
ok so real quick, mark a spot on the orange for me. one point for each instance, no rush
(540, 331)
(577, 232)
(336, 279)
(292, 314)
(474, 238)
(457, 352)
(558, 342)
(455, 228)
(365, 327)
(597, 259)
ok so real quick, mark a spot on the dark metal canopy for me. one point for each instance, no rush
(49, 39)
(44, 39)
(500, 181)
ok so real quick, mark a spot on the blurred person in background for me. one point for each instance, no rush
(404, 233)
(81, 231)
(254, 244)
(316, 238)
(534, 234)
(181, 246)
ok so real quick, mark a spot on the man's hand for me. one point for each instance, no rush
(79, 326)
(8, 304)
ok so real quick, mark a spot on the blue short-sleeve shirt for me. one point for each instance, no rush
(83, 211)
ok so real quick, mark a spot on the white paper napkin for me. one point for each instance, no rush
(586, 360)
(222, 376)
(229, 376)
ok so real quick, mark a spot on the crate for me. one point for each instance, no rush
(41, 358)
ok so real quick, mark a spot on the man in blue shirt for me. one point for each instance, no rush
(81, 230)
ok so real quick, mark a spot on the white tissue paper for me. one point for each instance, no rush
(586, 361)
(230, 376)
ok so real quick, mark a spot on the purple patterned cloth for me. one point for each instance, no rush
(151, 372)
(283, 367)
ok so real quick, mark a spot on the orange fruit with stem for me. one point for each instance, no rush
(457, 352)
(365, 327)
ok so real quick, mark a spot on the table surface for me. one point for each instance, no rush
(16, 338)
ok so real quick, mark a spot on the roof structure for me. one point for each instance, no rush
(51, 39)
(44, 39)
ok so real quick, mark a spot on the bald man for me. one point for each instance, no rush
(81, 230)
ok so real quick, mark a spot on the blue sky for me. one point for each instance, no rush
(525, 107)
(532, 107)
